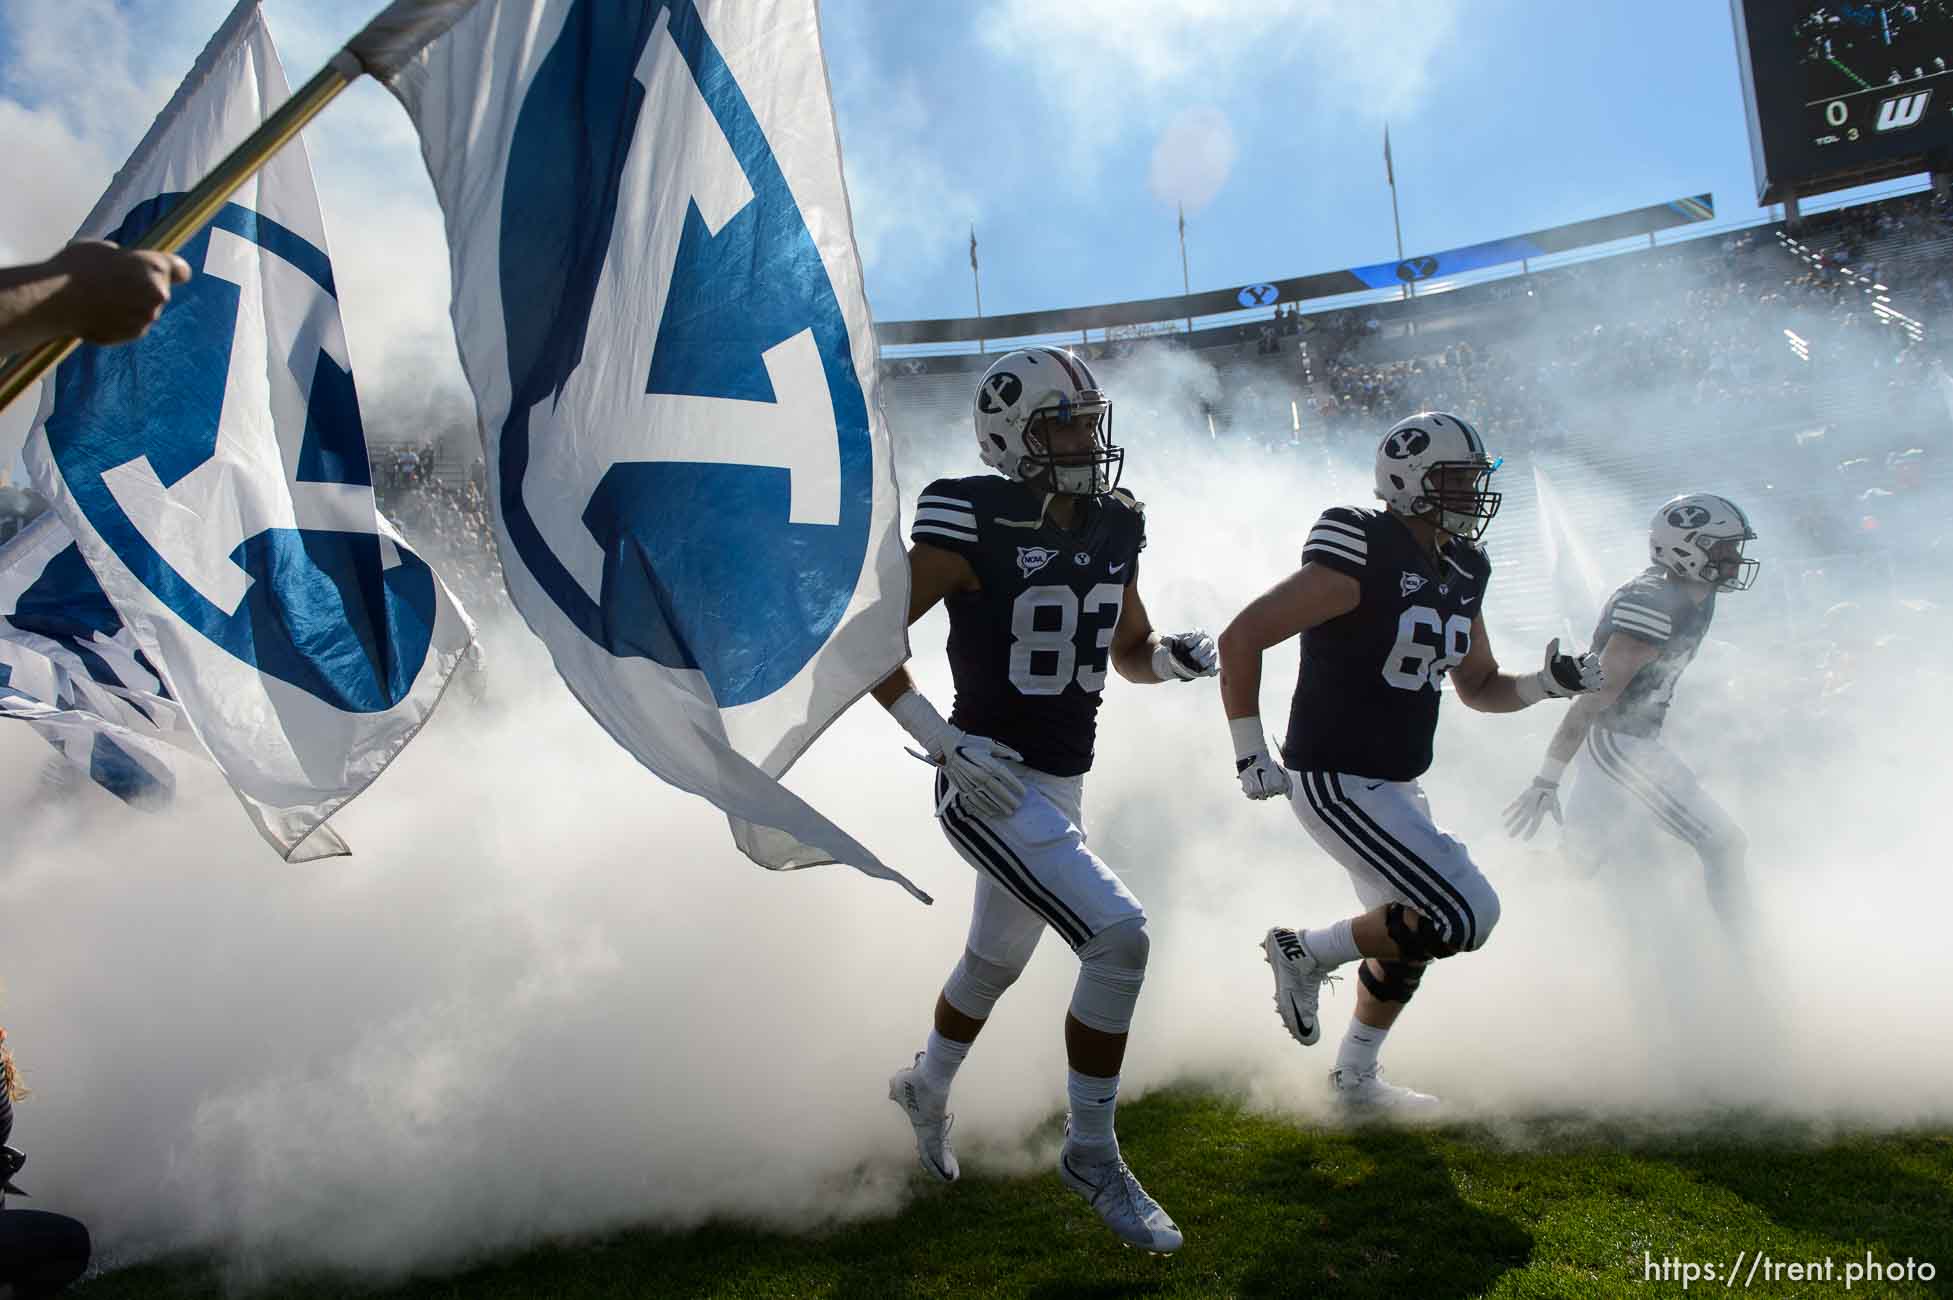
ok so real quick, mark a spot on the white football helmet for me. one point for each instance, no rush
(1700, 536)
(1028, 388)
(1432, 466)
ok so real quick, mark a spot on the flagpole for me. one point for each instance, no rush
(390, 38)
(977, 281)
(1186, 289)
(1390, 173)
(197, 207)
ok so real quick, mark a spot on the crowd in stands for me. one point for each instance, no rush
(446, 521)
(1750, 328)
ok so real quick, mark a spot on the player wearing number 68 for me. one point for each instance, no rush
(1039, 565)
(1388, 604)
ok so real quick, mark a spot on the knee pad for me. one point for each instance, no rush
(1421, 940)
(1111, 968)
(1397, 983)
(975, 985)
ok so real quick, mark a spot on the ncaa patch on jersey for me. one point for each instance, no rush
(1410, 582)
(1032, 558)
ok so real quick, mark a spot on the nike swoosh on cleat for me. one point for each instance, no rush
(1302, 1026)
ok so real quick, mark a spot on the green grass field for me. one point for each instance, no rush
(1558, 1207)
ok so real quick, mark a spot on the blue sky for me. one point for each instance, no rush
(1064, 132)
(1505, 116)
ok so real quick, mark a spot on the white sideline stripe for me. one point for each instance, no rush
(1356, 543)
(1636, 625)
(1642, 612)
(1328, 549)
(1354, 532)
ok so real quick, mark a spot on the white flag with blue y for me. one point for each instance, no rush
(71, 671)
(660, 308)
(214, 474)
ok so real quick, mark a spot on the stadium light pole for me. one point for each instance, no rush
(977, 281)
(1186, 287)
(1390, 175)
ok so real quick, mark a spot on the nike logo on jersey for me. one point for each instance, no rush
(1410, 582)
(1373, 785)
(1032, 558)
(1114, 568)
(1466, 600)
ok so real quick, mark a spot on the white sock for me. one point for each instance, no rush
(940, 1059)
(1092, 1102)
(1333, 944)
(1360, 1047)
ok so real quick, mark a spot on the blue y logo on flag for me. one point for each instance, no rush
(739, 557)
(138, 432)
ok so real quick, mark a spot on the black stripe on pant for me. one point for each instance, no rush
(997, 861)
(1335, 815)
(1437, 879)
(1615, 765)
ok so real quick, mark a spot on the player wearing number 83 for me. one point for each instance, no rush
(1039, 567)
(1388, 604)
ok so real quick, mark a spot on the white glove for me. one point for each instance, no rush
(1183, 657)
(1526, 814)
(975, 765)
(1260, 775)
(1562, 675)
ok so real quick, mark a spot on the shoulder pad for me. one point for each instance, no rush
(1128, 500)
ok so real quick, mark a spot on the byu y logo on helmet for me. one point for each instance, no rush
(1407, 443)
(1688, 517)
(1000, 392)
(750, 425)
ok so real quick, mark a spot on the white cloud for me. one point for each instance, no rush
(911, 212)
(1101, 62)
(1193, 158)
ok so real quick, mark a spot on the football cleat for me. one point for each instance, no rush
(1112, 1191)
(1298, 983)
(925, 1109)
(1366, 1091)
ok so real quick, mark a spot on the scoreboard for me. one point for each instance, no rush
(1845, 92)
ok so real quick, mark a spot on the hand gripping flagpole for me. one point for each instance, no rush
(381, 48)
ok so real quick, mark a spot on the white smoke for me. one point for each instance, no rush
(548, 997)
(1193, 158)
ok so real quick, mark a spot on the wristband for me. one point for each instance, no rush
(1529, 690)
(1163, 660)
(920, 719)
(1247, 735)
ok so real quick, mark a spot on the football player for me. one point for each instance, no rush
(1388, 603)
(1648, 633)
(1039, 566)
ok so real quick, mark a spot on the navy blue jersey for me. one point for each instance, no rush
(1366, 701)
(1657, 607)
(1028, 649)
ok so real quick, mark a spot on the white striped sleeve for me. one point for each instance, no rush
(1338, 541)
(1644, 621)
(942, 518)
